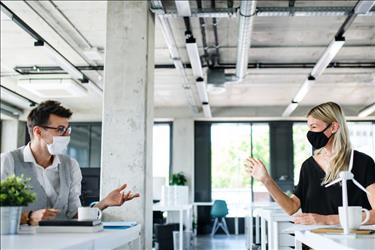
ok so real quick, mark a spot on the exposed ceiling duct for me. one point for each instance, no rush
(270, 12)
(246, 13)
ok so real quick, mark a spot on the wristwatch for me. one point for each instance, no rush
(29, 218)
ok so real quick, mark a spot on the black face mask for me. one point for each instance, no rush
(318, 139)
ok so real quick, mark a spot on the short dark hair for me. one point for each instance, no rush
(39, 115)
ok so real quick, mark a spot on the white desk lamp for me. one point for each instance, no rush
(344, 177)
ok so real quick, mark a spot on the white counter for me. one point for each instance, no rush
(108, 239)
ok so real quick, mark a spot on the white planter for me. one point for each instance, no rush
(10, 219)
(174, 195)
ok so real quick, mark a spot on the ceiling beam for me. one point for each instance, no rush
(265, 12)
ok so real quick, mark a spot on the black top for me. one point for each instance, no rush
(316, 198)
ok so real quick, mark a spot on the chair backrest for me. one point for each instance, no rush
(219, 209)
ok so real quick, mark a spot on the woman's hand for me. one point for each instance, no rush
(43, 214)
(310, 219)
(256, 169)
(117, 197)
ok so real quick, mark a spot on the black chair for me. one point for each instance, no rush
(164, 235)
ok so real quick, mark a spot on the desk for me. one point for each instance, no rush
(277, 221)
(107, 239)
(249, 221)
(328, 241)
(180, 209)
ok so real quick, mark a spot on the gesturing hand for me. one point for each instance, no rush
(309, 219)
(118, 196)
(256, 169)
(43, 214)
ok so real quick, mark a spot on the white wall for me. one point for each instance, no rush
(183, 150)
(12, 135)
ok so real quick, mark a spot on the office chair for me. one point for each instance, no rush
(219, 211)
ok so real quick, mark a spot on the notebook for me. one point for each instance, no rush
(69, 223)
(340, 231)
(119, 224)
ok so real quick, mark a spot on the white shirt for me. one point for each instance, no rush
(48, 178)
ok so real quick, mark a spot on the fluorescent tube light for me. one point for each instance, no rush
(245, 27)
(304, 89)
(95, 88)
(333, 48)
(202, 90)
(367, 110)
(15, 111)
(183, 8)
(62, 62)
(289, 110)
(53, 88)
(206, 110)
(15, 99)
(364, 6)
(195, 60)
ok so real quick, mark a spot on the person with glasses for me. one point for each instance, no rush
(55, 177)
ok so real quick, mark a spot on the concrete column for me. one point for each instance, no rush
(12, 134)
(128, 111)
(183, 150)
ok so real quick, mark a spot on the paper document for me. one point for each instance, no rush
(119, 223)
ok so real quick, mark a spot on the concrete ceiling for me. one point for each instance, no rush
(289, 39)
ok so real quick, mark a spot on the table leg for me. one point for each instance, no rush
(181, 228)
(263, 233)
(195, 220)
(257, 227)
(236, 225)
(297, 244)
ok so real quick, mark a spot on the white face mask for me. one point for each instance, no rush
(59, 145)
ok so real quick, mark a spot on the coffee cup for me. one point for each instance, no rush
(354, 216)
(89, 213)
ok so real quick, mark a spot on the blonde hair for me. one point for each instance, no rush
(330, 112)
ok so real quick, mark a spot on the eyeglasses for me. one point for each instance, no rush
(61, 130)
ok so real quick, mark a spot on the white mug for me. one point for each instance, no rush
(89, 213)
(354, 216)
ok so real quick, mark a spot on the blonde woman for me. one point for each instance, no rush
(328, 134)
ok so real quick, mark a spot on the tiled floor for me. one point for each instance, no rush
(220, 242)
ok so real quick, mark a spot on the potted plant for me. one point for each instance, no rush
(15, 193)
(180, 189)
(178, 179)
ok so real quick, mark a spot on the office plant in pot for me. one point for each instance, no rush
(15, 193)
(180, 189)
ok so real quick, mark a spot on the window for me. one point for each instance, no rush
(302, 147)
(161, 155)
(85, 144)
(231, 144)
(362, 137)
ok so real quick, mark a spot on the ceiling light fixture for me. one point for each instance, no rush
(206, 110)
(193, 53)
(183, 8)
(53, 88)
(333, 48)
(289, 110)
(304, 89)
(202, 90)
(367, 110)
(16, 99)
(363, 6)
